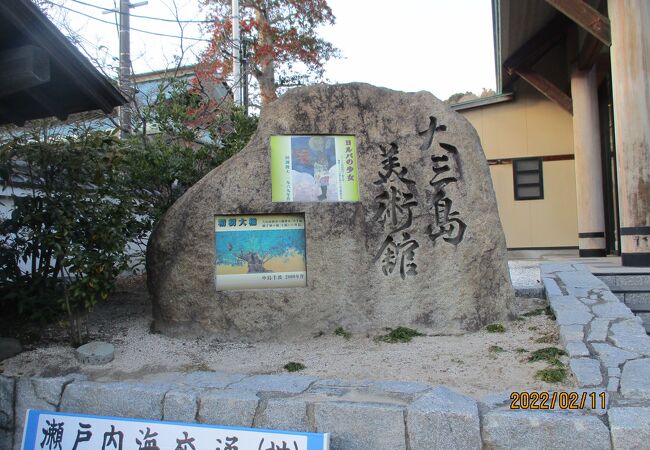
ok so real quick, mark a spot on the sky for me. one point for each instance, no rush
(440, 46)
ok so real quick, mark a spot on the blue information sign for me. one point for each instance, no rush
(64, 431)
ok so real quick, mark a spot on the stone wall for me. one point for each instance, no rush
(370, 415)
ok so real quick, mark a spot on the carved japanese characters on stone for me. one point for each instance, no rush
(396, 203)
(395, 211)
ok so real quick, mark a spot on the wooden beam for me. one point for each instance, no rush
(587, 17)
(592, 48)
(537, 46)
(546, 87)
(588, 55)
(23, 67)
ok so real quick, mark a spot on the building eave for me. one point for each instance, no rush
(75, 85)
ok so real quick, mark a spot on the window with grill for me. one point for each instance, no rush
(529, 184)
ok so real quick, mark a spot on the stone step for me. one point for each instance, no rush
(638, 307)
(637, 298)
(618, 279)
(630, 289)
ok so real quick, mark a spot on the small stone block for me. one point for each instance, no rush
(635, 380)
(495, 400)
(289, 384)
(388, 390)
(630, 427)
(283, 414)
(633, 280)
(598, 331)
(569, 311)
(536, 430)
(361, 426)
(609, 280)
(581, 279)
(95, 353)
(612, 384)
(612, 356)
(38, 393)
(443, 419)
(577, 348)
(180, 406)
(587, 371)
(235, 408)
(215, 380)
(138, 400)
(551, 287)
(570, 333)
(612, 310)
(630, 335)
(613, 372)
(579, 292)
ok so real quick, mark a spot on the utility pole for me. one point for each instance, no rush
(236, 55)
(244, 65)
(126, 86)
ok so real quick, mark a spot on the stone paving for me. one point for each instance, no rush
(607, 344)
(608, 347)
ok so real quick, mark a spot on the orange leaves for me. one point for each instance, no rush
(278, 35)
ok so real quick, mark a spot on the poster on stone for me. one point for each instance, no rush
(314, 168)
(260, 251)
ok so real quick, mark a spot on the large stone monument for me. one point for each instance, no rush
(422, 247)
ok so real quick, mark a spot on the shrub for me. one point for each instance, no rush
(399, 334)
(70, 231)
(495, 328)
(340, 331)
(91, 194)
(294, 366)
(549, 354)
(551, 375)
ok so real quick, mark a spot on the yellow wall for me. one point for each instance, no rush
(531, 126)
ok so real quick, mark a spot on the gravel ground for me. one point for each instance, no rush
(474, 363)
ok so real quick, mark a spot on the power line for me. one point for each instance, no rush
(134, 29)
(163, 19)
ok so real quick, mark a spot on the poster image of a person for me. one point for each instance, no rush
(322, 175)
(318, 144)
(313, 161)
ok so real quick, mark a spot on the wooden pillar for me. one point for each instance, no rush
(588, 164)
(630, 56)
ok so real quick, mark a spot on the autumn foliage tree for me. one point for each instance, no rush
(283, 47)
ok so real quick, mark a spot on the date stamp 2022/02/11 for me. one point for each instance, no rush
(560, 400)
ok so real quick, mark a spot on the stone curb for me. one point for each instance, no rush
(360, 415)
